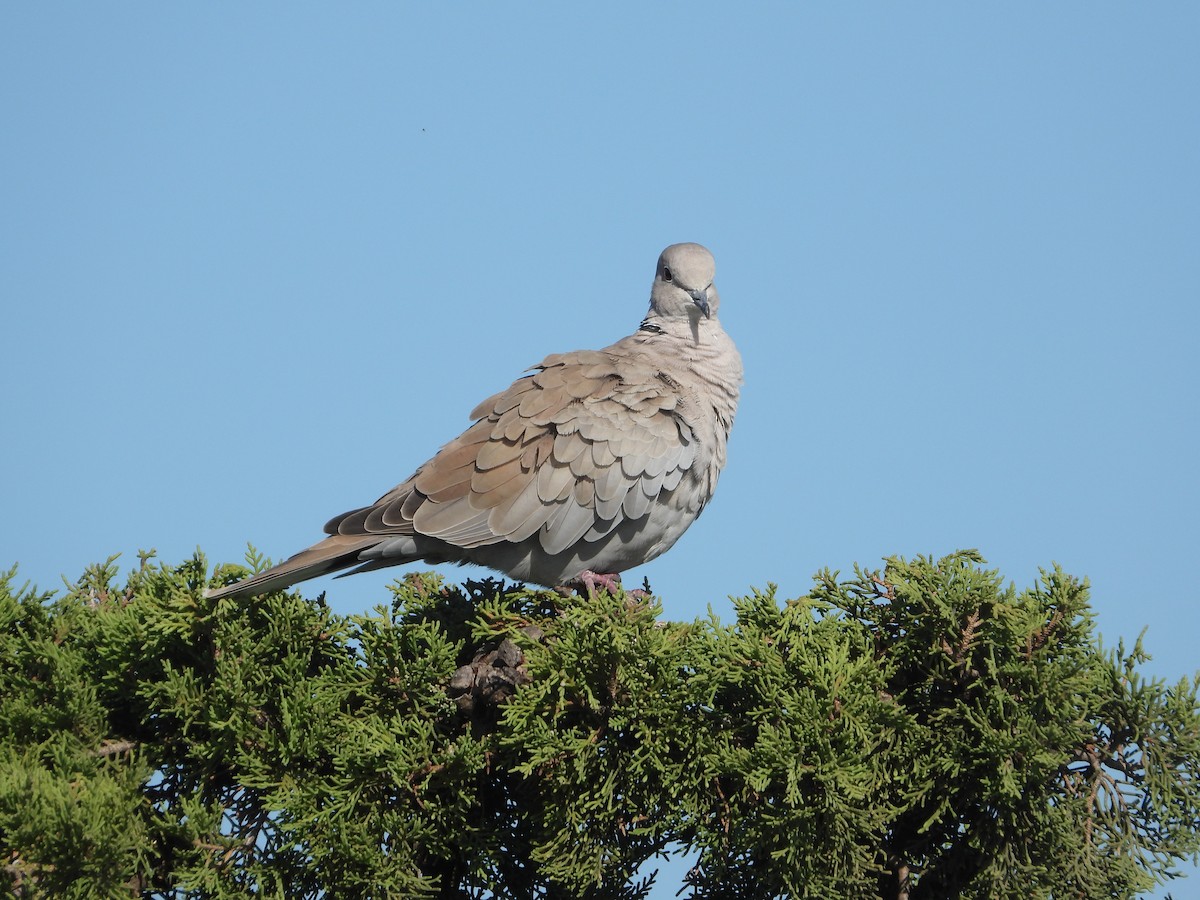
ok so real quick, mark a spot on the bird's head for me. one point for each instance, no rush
(683, 284)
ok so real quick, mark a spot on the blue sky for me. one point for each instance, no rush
(259, 261)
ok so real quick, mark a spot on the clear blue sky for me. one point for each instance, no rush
(258, 261)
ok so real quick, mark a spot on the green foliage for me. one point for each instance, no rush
(921, 731)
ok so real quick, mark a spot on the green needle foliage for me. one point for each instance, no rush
(921, 731)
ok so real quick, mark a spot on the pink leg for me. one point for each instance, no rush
(591, 581)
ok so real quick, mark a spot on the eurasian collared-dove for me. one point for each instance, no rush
(595, 463)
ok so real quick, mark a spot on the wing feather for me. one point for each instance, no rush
(566, 526)
(564, 455)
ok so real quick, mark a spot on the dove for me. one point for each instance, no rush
(593, 463)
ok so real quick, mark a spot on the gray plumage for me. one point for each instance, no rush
(595, 463)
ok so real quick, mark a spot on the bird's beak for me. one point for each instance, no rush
(701, 300)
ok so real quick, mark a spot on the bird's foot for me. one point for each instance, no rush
(589, 582)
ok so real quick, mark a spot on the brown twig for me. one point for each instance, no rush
(1038, 639)
(903, 882)
(113, 748)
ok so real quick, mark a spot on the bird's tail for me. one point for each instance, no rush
(330, 555)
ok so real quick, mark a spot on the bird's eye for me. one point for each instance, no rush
(667, 276)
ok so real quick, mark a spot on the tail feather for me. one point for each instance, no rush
(330, 555)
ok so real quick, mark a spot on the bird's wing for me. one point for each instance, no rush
(568, 453)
